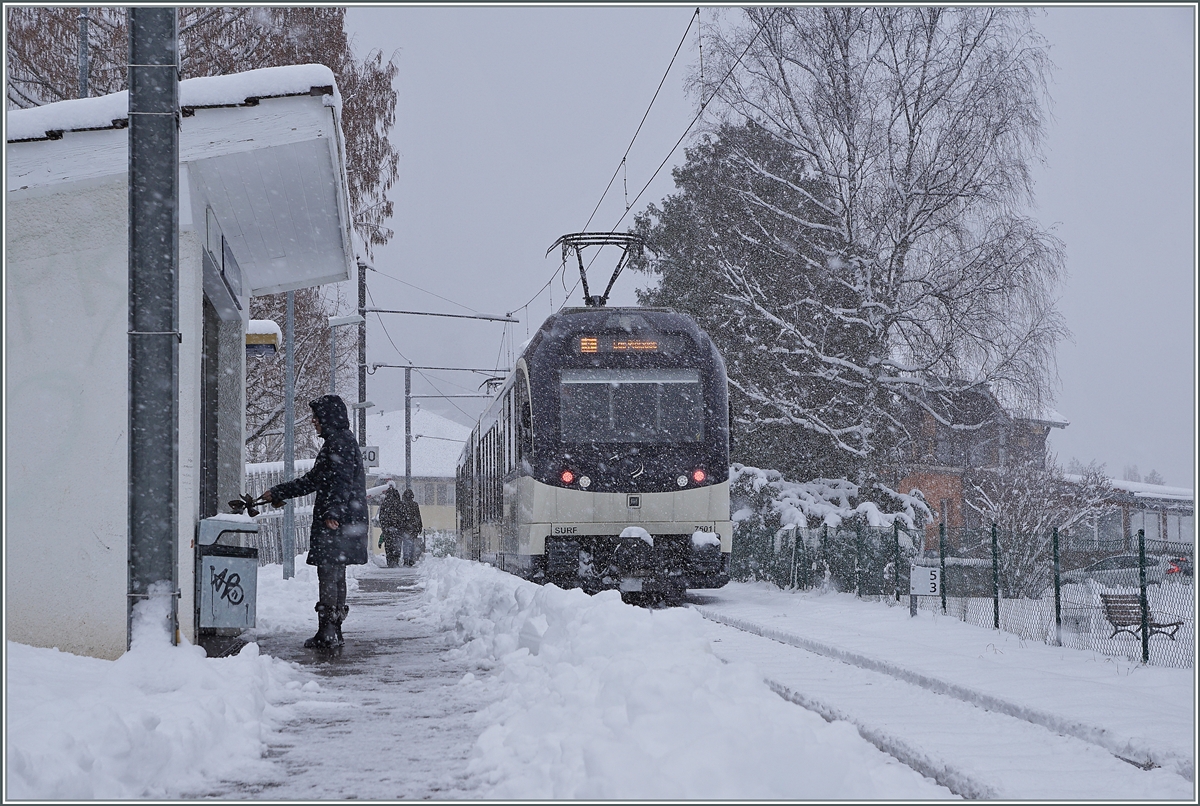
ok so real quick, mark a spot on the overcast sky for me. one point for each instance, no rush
(511, 121)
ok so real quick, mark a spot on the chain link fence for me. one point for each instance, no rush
(1063, 592)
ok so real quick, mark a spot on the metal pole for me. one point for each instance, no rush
(289, 434)
(896, 561)
(995, 578)
(1143, 600)
(83, 53)
(408, 429)
(1057, 591)
(857, 559)
(362, 353)
(332, 360)
(154, 337)
(942, 560)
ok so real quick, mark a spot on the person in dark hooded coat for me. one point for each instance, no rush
(339, 525)
(409, 518)
(390, 526)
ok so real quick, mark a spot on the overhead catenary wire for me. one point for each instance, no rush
(409, 360)
(424, 290)
(624, 156)
(703, 105)
(385, 330)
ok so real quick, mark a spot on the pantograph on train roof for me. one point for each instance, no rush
(630, 244)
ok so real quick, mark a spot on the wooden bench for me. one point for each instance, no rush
(1124, 612)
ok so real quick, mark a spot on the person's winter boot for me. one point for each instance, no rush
(327, 635)
(345, 611)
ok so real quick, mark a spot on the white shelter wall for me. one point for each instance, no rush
(191, 325)
(66, 404)
(66, 317)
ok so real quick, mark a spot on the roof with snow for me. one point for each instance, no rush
(264, 327)
(437, 442)
(264, 154)
(1140, 489)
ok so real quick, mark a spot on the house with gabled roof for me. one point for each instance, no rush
(263, 208)
(968, 429)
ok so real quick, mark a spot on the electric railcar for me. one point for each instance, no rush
(612, 418)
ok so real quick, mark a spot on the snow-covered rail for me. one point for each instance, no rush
(976, 743)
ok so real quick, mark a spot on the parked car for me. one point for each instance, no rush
(1120, 571)
(1181, 566)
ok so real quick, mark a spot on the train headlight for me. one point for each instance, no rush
(585, 482)
(567, 477)
(699, 476)
(681, 481)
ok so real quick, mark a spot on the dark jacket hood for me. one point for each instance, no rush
(330, 411)
(408, 495)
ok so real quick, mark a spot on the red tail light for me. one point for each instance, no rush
(567, 477)
(699, 476)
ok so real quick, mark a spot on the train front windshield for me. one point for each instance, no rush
(654, 406)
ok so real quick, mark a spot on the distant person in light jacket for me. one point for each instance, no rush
(339, 525)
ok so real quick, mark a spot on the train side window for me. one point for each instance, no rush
(524, 419)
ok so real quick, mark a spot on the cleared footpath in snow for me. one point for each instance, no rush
(388, 718)
(983, 712)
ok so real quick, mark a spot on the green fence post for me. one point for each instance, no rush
(1145, 602)
(823, 549)
(896, 563)
(942, 561)
(1057, 592)
(799, 548)
(857, 559)
(995, 578)
(792, 577)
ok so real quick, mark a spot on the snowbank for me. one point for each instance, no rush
(159, 721)
(602, 700)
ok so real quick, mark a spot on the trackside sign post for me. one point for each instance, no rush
(923, 580)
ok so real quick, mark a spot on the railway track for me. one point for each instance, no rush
(975, 744)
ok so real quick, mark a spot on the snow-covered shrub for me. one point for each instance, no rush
(441, 544)
(821, 531)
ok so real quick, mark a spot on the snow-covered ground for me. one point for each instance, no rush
(461, 681)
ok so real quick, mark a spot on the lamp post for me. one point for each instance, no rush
(334, 323)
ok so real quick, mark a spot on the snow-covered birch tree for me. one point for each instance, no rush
(914, 130)
(1028, 501)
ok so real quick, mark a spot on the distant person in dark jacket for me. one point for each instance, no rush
(391, 525)
(410, 528)
(339, 525)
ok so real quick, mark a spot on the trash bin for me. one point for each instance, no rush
(226, 586)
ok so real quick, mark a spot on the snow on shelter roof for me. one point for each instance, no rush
(108, 111)
(263, 168)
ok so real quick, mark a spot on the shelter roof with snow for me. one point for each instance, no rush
(264, 148)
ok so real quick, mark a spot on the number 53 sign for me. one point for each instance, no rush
(925, 581)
